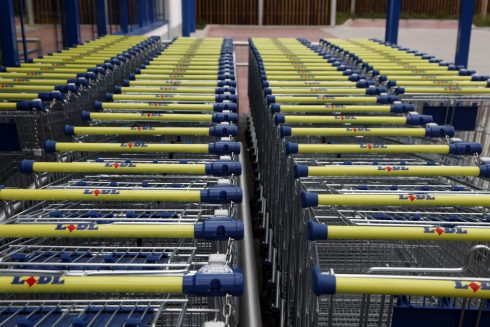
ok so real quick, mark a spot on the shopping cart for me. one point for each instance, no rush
(363, 200)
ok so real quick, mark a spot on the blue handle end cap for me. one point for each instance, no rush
(85, 115)
(69, 130)
(223, 168)
(309, 199)
(26, 166)
(279, 119)
(98, 106)
(465, 148)
(291, 148)
(50, 146)
(317, 231)
(285, 131)
(224, 148)
(323, 284)
(300, 171)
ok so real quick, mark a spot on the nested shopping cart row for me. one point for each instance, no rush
(38, 98)
(145, 226)
(372, 207)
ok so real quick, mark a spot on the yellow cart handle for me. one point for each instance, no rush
(310, 199)
(220, 148)
(338, 120)
(430, 131)
(199, 284)
(218, 130)
(462, 148)
(107, 116)
(214, 228)
(387, 285)
(317, 231)
(217, 194)
(216, 168)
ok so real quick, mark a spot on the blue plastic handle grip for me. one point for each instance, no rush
(417, 119)
(85, 115)
(223, 130)
(465, 148)
(221, 194)
(219, 229)
(219, 107)
(317, 231)
(300, 171)
(223, 168)
(224, 117)
(224, 148)
(69, 130)
(323, 284)
(309, 199)
(203, 284)
(439, 131)
(485, 171)
(50, 146)
(26, 166)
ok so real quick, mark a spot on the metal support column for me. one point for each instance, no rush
(101, 15)
(71, 23)
(392, 21)
(186, 28)
(466, 11)
(193, 16)
(123, 16)
(8, 35)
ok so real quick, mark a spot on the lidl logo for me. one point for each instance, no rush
(444, 230)
(357, 129)
(37, 280)
(142, 128)
(96, 192)
(345, 117)
(370, 146)
(74, 227)
(474, 286)
(149, 114)
(134, 145)
(117, 165)
(413, 197)
(393, 168)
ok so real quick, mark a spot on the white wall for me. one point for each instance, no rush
(173, 12)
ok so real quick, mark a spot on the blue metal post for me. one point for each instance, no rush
(392, 21)
(23, 30)
(100, 10)
(71, 23)
(186, 28)
(8, 35)
(193, 16)
(140, 12)
(466, 11)
(123, 16)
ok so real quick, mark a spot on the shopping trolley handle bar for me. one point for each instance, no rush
(214, 284)
(323, 284)
(221, 194)
(219, 228)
